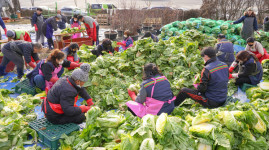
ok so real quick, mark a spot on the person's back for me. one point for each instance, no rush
(256, 74)
(217, 87)
(225, 51)
(162, 92)
(55, 94)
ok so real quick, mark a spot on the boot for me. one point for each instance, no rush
(2, 71)
(20, 74)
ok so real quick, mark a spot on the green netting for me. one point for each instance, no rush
(207, 30)
(216, 30)
(211, 23)
(177, 33)
(173, 29)
(219, 22)
(235, 38)
(225, 26)
(175, 24)
(241, 42)
(196, 24)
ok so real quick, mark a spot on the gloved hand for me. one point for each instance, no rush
(234, 64)
(120, 43)
(37, 61)
(84, 108)
(5, 31)
(234, 75)
(31, 64)
(36, 29)
(54, 79)
(72, 26)
(259, 55)
(75, 65)
(89, 102)
(132, 94)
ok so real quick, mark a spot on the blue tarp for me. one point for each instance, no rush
(238, 48)
(10, 86)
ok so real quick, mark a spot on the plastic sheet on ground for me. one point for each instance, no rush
(241, 96)
(238, 48)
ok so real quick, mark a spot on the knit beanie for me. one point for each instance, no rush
(82, 73)
(10, 34)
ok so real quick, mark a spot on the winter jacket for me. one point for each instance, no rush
(225, 51)
(23, 48)
(64, 94)
(2, 24)
(162, 92)
(100, 49)
(214, 81)
(251, 69)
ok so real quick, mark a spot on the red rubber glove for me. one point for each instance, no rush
(120, 43)
(54, 79)
(74, 65)
(230, 76)
(31, 64)
(234, 75)
(234, 64)
(89, 102)
(36, 29)
(259, 56)
(5, 31)
(84, 108)
(37, 61)
(72, 26)
(132, 94)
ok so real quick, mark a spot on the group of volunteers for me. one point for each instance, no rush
(155, 95)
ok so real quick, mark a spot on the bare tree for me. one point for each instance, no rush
(33, 2)
(225, 9)
(261, 5)
(148, 3)
(75, 1)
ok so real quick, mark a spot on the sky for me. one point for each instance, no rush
(189, 4)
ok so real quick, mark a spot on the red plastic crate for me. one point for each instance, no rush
(10, 65)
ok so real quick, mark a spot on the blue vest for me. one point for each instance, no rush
(226, 51)
(256, 76)
(217, 87)
(162, 92)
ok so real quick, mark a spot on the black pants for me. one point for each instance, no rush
(63, 119)
(242, 80)
(10, 55)
(185, 93)
(50, 43)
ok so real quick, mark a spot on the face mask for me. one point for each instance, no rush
(75, 20)
(125, 36)
(60, 63)
(250, 45)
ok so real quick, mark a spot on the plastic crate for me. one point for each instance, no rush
(49, 134)
(246, 86)
(25, 87)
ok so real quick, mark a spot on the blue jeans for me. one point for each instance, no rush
(39, 80)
